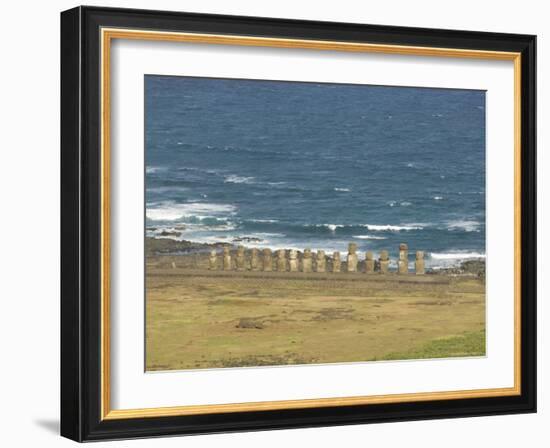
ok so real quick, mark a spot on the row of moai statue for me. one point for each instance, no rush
(292, 264)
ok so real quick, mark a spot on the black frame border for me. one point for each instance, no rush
(81, 224)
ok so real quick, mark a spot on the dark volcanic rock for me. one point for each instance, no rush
(476, 267)
(470, 267)
(170, 233)
(166, 246)
(247, 239)
(247, 322)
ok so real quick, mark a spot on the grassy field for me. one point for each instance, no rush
(202, 319)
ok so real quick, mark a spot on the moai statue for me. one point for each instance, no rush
(227, 259)
(403, 262)
(254, 260)
(306, 261)
(369, 262)
(384, 262)
(213, 260)
(336, 263)
(281, 260)
(352, 257)
(267, 260)
(320, 266)
(419, 263)
(240, 259)
(293, 261)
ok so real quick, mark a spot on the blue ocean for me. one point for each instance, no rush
(314, 165)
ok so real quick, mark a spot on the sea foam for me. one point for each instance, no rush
(391, 228)
(369, 237)
(264, 221)
(154, 169)
(465, 225)
(331, 227)
(172, 211)
(234, 179)
(456, 255)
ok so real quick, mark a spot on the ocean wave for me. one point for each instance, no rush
(465, 225)
(166, 189)
(268, 234)
(456, 255)
(257, 237)
(206, 221)
(245, 149)
(234, 179)
(171, 211)
(402, 203)
(369, 237)
(341, 189)
(391, 228)
(331, 227)
(373, 227)
(438, 198)
(154, 169)
(264, 221)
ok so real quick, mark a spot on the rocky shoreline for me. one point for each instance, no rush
(169, 246)
(165, 251)
(474, 267)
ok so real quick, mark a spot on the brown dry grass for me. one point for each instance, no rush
(201, 319)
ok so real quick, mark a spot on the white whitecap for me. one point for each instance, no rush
(369, 237)
(466, 225)
(234, 179)
(391, 228)
(268, 234)
(456, 255)
(171, 211)
(341, 189)
(154, 169)
(267, 221)
(331, 227)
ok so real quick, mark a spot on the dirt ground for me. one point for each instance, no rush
(211, 319)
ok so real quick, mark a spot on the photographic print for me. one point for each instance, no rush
(310, 223)
(339, 211)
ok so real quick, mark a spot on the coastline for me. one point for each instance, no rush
(194, 255)
(198, 317)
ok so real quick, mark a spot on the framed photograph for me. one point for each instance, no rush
(273, 223)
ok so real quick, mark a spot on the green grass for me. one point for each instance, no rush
(468, 344)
